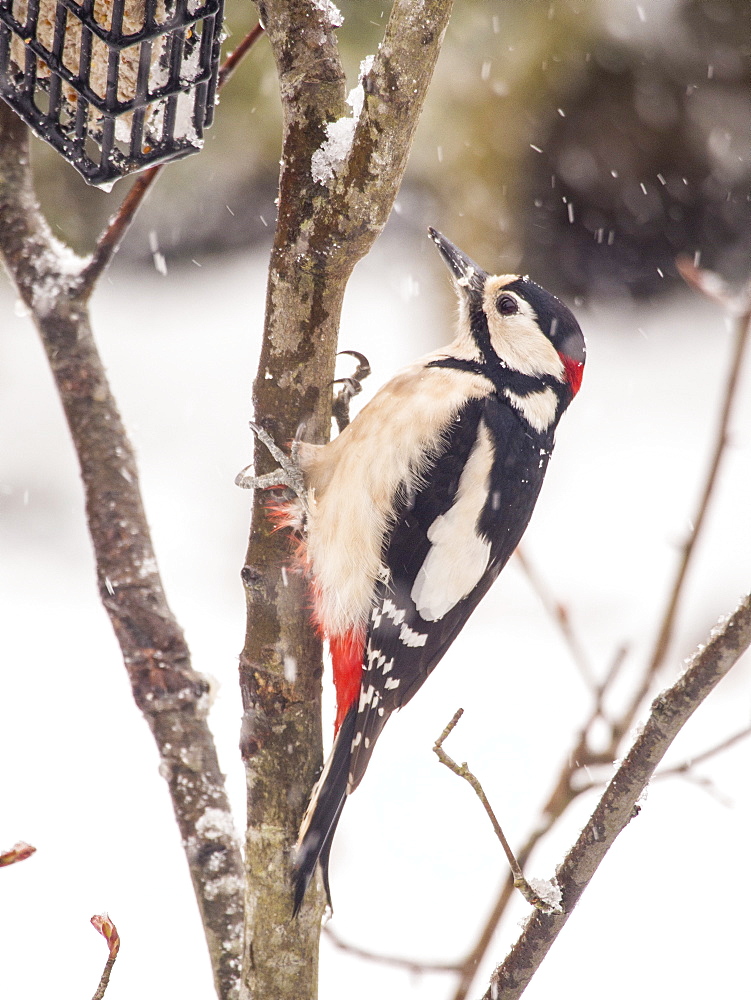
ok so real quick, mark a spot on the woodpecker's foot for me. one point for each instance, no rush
(351, 386)
(288, 474)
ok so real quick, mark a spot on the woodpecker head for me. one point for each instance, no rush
(509, 322)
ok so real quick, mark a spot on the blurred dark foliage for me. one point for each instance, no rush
(652, 159)
(585, 143)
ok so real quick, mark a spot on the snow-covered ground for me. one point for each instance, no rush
(415, 865)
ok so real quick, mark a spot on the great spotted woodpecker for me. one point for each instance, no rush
(409, 515)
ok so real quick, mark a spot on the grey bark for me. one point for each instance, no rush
(322, 231)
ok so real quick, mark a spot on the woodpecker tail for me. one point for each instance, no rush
(322, 815)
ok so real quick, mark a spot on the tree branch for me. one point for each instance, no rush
(323, 229)
(172, 696)
(110, 240)
(412, 965)
(618, 805)
(363, 193)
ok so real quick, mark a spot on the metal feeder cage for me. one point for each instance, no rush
(113, 85)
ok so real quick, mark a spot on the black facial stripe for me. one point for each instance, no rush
(500, 375)
(495, 369)
(460, 364)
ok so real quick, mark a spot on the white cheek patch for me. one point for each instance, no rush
(518, 340)
(458, 556)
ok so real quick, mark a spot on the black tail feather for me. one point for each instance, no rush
(320, 821)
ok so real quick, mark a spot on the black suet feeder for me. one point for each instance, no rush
(113, 85)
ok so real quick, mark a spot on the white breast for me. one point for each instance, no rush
(458, 556)
(354, 481)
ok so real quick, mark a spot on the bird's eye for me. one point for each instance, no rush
(507, 305)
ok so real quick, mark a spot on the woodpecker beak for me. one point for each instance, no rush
(466, 273)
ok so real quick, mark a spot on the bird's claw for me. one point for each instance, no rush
(351, 386)
(288, 474)
(363, 365)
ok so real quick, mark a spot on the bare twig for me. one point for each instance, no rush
(395, 961)
(531, 893)
(111, 238)
(234, 58)
(103, 924)
(463, 772)
(564, 792)
(559, 613)
(686, 766)
(105, 979)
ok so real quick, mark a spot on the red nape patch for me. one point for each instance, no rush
(346, 654)
(574, 372)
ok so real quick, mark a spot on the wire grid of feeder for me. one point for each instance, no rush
(113, 85)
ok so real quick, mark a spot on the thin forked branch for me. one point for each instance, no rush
(412, 965)
(531, 894)
(559, 614)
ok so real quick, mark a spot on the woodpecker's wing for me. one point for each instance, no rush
(450, 540)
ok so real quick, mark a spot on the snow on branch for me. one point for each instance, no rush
(328, 160)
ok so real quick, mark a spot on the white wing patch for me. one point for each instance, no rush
(458, 556)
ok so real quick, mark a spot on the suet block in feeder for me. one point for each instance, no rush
(113, 85)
